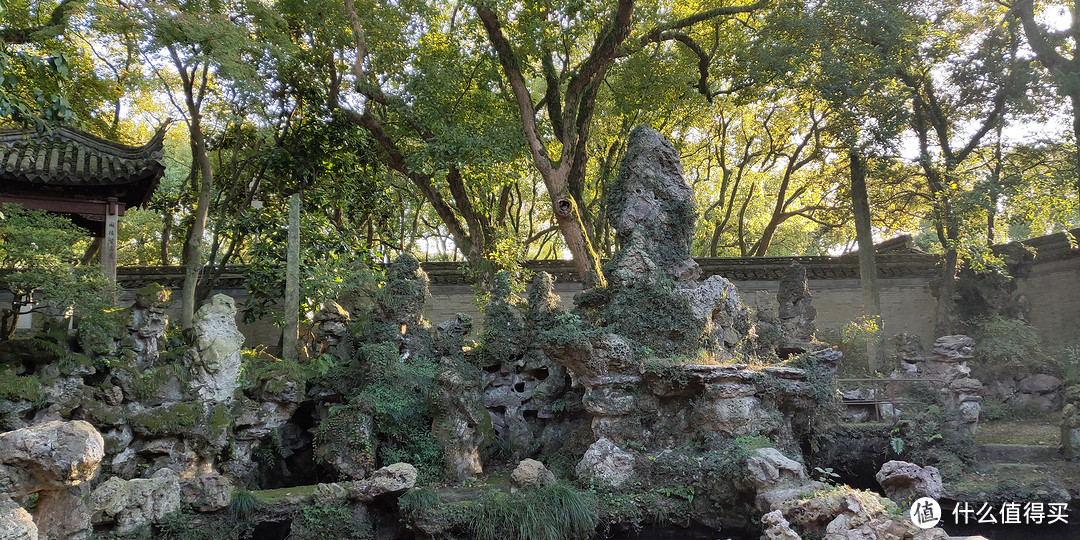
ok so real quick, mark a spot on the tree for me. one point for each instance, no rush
(1059, 53)
(30, 78)
(988, 76)
(201, 42)
(39, 264)
(571, 79)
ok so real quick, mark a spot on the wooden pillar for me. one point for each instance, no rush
(108, 244)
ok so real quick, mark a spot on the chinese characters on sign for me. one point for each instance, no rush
(1010, 513)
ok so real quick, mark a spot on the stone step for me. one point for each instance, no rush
(1016, 453)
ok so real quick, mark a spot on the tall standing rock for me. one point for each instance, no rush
(651, 208)
(654, 297)
(795, 312)
(215, 358)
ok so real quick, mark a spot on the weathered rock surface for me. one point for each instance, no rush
(847, 514)
(48, 457)
(214, 360)
(208, 492)
(530, 474)
(148, 322)
(796, 313)
(62, 515)
(462, 425)
(904, 482)
(777, 528)
(134, 503)
(390, 480)
(651, 208)
(605, 462)
(15, 521)
(1070, 424)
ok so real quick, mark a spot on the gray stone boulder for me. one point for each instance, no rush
(955, 347)
(777, 528)
(904, 482)
(530, 474)
(62, 515)
(605, 462)
(769, 469)
(15, 521)
(49, 457)
(207, 492)
(390, 480)
(134, 503)
(214, 360)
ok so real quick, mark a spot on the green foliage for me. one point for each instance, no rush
(262, 372)
(852, 339)
(418, 501)
(188, 524)
(20, 387)
(555, 512)
(345, 436)
(729, 462)
(243, 504)
(40, 254)
(324, 521)
(30, 87)
(1005, 347)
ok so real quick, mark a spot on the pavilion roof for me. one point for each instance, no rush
(66, 166)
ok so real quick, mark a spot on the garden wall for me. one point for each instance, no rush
(1047, 271)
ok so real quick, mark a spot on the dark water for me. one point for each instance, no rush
(680, 533)
(1017, 532)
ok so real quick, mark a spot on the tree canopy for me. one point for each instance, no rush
(487, 132)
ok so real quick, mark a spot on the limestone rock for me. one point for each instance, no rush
(49, 456)
(461, 422)
(148, 322)
(390, 480)
(15, 521)
(795, 311)
(768, 469)
(207, 492)
(1039, 384)
(904, 482)
(530, 473)
(329, 494)
(848, 514)
(214, 360)
(605, 462)
(777, 528)
(145, 500)
(62, 515)
(108, 499)
(956, 347)
(332, 330)
(651, 208)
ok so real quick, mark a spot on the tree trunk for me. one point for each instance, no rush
(860, 207)
(1075, 98)
(291, 328)
(193, 246)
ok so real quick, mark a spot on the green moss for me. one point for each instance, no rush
(72, 362)
(170, 419)
(262, 372)
(273, 496)
(102, 414)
